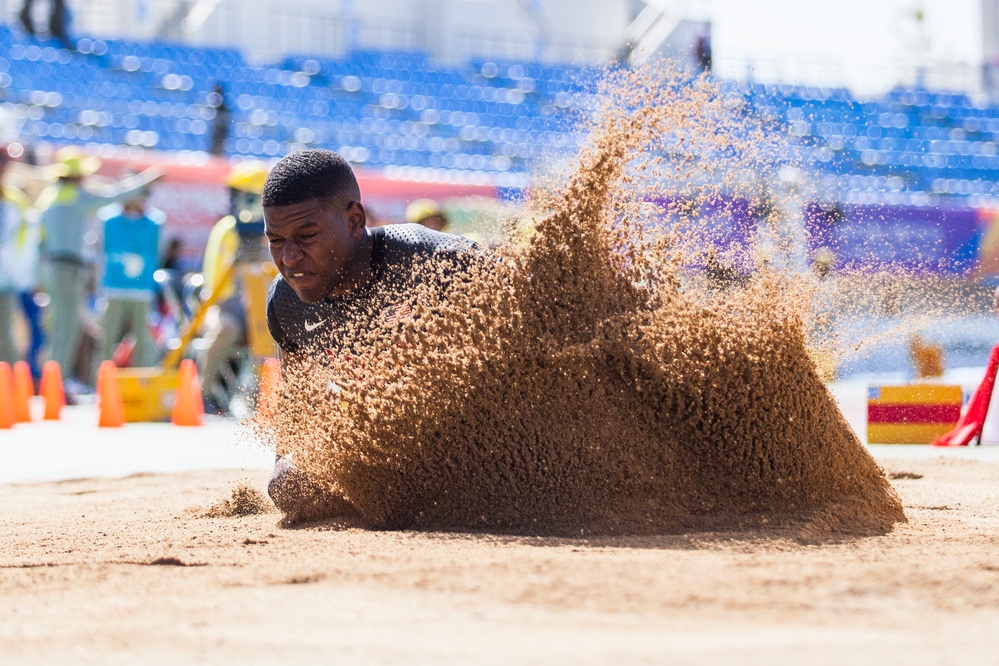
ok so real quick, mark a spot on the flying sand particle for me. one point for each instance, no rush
(584, 377)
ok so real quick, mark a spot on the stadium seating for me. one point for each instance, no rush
(404, 110)
(910, 147)
(378, 108)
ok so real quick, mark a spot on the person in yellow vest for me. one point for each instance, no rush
(428, 213)
(67, 209)
(237, 237)
(18, 257)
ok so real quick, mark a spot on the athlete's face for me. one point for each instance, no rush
(317, 245)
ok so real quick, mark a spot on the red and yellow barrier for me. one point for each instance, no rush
(913, 414)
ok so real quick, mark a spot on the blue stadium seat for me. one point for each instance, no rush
(402, 108)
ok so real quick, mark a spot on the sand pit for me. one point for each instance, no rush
(119, 571)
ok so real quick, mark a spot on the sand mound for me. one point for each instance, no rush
(584, 378)
(245, 500)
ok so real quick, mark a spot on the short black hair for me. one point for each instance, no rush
(310, 174)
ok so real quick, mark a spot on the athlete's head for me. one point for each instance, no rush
(315, 223)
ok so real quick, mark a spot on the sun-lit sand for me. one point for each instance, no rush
(129, 570)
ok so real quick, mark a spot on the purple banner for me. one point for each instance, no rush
(911, 239)
(722, 225)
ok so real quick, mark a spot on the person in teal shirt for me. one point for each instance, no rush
(67, 206)
(131, 257)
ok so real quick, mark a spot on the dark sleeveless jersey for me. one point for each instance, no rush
(331, 327)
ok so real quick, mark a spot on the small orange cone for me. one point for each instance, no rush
(270, 390)
(24, 388)
(112, 413)
(6, 397)
(51, 389)
(188, 407)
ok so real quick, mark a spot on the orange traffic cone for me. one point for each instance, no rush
(6, 397)
(188, 407)
(23, 390)
(51, 389)
(112, 413)
(270, 390)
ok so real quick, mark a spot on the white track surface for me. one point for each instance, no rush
(75, 447)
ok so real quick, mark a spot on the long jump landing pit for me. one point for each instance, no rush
(136, 571)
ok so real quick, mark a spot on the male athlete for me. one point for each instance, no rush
(337, 278)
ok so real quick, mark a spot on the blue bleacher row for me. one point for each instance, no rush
(908, 140)
(380, 108)
(406, 110)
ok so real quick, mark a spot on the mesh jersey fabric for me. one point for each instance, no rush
(325, 328)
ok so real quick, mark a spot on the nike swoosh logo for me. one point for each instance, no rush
(311, 327)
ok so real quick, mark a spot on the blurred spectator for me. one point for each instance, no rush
(220, 123)
(822, 263)
(31, 307)
(18, 246)
(58, 21)
(236, 239)
(24, 260)
(66, 210)
(172, 255)
(171, 280)
(826, 302)
(702, 48)
(428, 213)
(927, 359)
(131, 247)
(722, 275)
